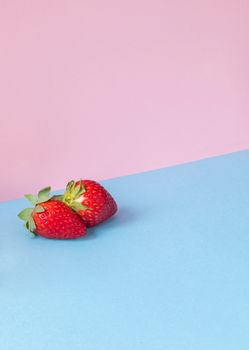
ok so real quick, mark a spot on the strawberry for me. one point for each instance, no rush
(90, 200)
(51, 218)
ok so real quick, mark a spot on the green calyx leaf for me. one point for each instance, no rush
(72, 193)
(75, 190)
(31, 198)
(81, 189)
(25, 214)
(39, 209)
(70, 185)
(78, 206)
(58, 197)
(31, 224)
(26, 225)
(43, 195)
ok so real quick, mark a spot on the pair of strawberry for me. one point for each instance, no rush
(85, 203)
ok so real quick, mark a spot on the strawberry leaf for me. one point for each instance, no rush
(31, 224)
(26, 225)
(31, 198)
(75, 191)
(58, 197)
(25, 214)
(72, 193)
(78, 206)
(39, 209)
(43, 195)
(82, 189)
(70, 185)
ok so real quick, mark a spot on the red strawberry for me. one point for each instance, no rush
(51, 218)
(90, 200)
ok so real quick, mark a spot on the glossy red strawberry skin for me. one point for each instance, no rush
(99, 202)
(58, 221)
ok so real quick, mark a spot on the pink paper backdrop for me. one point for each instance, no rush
(107, 88)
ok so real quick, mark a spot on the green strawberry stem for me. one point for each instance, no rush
(27, 214)
(73, 192)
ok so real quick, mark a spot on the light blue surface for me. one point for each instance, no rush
(169, 272)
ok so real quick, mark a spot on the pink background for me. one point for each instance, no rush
(100, 89)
